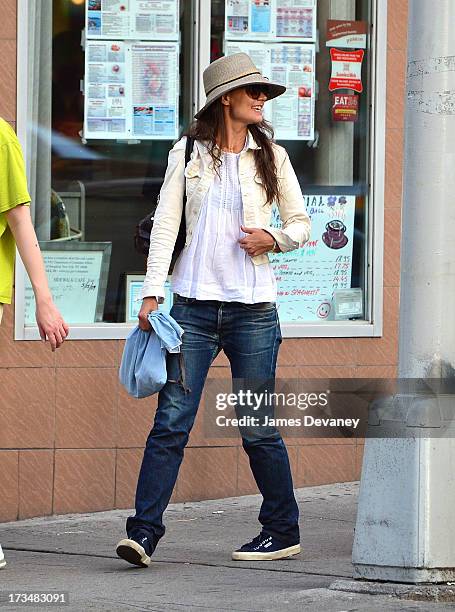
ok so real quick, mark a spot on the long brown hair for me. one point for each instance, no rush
(211, 123)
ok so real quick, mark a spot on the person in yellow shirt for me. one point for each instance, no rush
(16, 228)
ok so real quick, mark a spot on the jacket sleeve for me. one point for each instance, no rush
(166, 224)
(296, 224)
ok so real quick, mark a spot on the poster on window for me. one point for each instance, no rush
(296, 20)
(131, 90)
(307, 277)
(155, 84)
(270, 20)
(106, 89)
(132, 19)
(292, 113)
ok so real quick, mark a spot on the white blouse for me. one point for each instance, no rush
(214, 266)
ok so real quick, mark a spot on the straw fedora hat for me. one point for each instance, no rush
(232, 71)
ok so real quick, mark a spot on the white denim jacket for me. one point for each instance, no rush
(197, 177)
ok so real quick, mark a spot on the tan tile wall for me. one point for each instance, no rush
(71, 440)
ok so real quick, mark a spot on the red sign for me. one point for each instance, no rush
(345, 107)
(346, 70)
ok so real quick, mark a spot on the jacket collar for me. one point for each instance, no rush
(251, 143)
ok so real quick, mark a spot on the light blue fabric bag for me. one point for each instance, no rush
(143, 368)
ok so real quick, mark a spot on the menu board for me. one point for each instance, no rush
(267, 20)
(132, 19)
(292, 113)
(131, 90)
(307, 277)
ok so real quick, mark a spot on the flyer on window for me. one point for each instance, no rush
(155, 83)
(296, 20)
(106, 89)
(132, 19)
(307, 277)
(292, 113)
(131, 90)
(271, 20)
(346, 70)
(347, 34)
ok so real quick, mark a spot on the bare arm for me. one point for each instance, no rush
(51, 325)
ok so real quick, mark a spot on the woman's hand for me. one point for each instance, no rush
(149, 304)
(257, 242)
(50, 323)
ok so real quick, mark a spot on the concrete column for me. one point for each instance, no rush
(405, 528)
(334, 156)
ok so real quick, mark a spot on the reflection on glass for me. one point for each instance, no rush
(94, 191)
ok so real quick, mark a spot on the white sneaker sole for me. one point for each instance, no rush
(2, 563)
(278, 554)
(131, 551)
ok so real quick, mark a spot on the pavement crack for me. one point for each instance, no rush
(327, 518)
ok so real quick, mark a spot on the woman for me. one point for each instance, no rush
(225, 295)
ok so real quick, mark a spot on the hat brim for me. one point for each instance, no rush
(273, 90)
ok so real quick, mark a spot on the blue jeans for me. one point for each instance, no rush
(250, 336)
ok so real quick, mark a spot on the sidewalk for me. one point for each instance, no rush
(192, 569)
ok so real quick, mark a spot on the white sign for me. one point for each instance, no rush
(131, 90)
(155, 90)
(134, 283)
(267, 20)
(132, 19)
(308, 277)
(292, 113)
(76, 283)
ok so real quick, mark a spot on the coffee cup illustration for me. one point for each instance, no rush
(334, 236)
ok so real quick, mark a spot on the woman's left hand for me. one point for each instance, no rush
(257, 242)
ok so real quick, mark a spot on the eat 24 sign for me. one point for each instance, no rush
(345, 107)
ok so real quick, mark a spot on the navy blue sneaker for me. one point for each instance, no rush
(136, 551)
(265, 547)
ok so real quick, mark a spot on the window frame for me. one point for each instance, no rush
(373, 325)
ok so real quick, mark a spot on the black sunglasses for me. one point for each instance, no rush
(254, 91)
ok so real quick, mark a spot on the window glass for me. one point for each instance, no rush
(330, 156)
(89, 193)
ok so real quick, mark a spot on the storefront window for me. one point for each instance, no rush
(326, 133)
(99, 155)
(112, 85)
